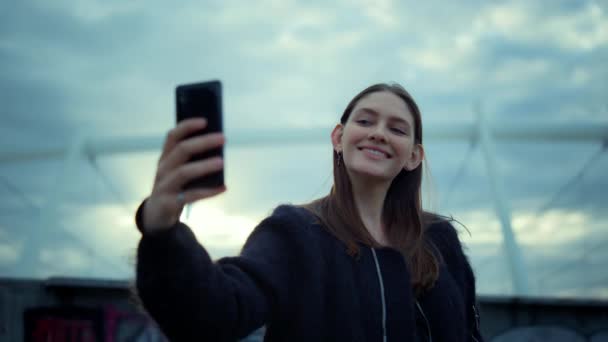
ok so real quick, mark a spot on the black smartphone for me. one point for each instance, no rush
(197, 100)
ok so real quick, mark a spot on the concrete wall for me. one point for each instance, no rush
(106, 311)
(537, 319)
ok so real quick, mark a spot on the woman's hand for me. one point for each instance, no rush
(164, 206)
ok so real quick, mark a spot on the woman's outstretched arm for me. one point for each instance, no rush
(193, 298)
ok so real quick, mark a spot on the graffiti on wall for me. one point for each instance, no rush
(81, 324)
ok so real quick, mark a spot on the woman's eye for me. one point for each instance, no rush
(399, 131)
(363, 122)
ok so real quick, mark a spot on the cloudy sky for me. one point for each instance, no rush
(76, 71)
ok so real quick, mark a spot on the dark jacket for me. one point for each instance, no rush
(297, 279)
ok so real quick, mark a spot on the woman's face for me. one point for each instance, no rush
(378, 139)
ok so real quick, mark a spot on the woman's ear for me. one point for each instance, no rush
(336, 137)
(416, 158)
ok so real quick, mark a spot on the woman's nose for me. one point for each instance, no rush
(378, 134)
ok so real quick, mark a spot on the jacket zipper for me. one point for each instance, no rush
(428, 325)
(381, 295)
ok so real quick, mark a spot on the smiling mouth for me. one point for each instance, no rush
(375, 152)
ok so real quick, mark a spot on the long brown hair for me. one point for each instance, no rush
(402, 214)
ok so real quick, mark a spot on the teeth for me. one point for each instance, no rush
(375, 152)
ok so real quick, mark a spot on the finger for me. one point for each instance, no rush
(194, 195)
(176, 179)
(183, 151)
(181, 131)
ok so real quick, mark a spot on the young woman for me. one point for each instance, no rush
(364, 263)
